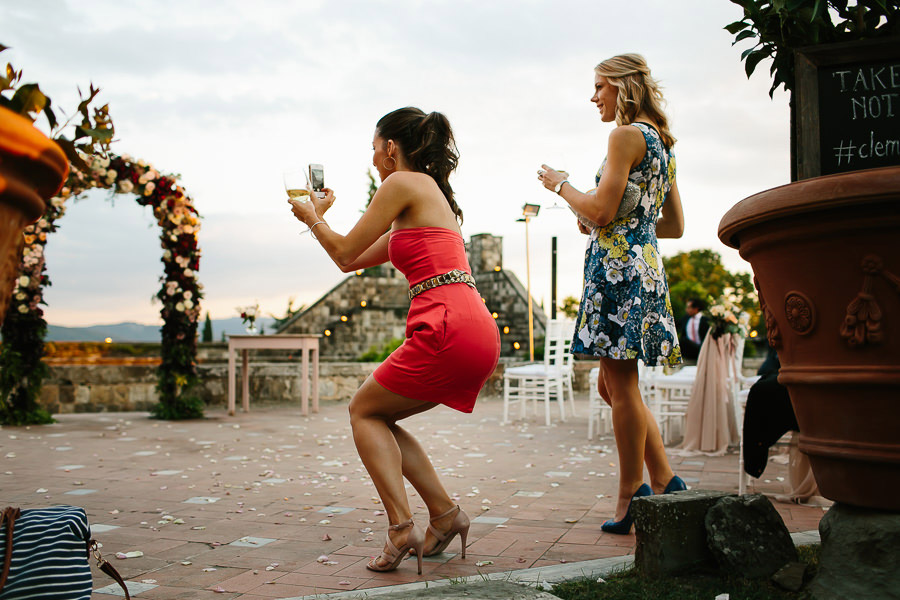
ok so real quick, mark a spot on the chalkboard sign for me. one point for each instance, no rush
(848, 107)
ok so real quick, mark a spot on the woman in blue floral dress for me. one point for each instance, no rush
(625, 313)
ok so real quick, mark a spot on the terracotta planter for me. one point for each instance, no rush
(32, 169)
(826, 256)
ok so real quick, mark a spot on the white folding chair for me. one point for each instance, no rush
(600, 413)
(549, 379)
(671, 395)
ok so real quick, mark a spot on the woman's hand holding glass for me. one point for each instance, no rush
(551, 177)
(313, 208)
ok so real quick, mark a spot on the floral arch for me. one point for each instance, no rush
(180, 293)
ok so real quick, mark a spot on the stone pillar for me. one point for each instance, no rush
(485, 252)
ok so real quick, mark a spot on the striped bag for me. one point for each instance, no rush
(45, 555)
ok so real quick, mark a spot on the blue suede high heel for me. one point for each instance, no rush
(676, 484)
(623, 527)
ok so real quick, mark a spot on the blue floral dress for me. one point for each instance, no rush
(625, 312)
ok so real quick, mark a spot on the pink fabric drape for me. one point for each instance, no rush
(710, 423)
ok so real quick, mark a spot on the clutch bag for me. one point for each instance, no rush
(630, 199)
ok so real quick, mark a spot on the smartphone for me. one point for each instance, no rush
(317, 179)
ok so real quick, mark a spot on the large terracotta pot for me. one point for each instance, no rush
(826, 256)
(32, 169)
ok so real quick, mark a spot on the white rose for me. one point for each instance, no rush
(179, 307)
(141, 162)
(23, 309)
(21, 296)
(24, 280)
(188, 273)
(167, 255)
(104, 162)
(111, 174)
(126, 186)
(188, 295)
(189, 304)
(148, 189)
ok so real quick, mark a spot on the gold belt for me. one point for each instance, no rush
(454, 276)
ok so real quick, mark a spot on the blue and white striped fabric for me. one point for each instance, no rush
(49, 558)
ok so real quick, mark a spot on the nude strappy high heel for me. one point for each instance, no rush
(459, 526)
(415, 541)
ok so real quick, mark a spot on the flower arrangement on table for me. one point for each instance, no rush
(248, 316)
(725, 315)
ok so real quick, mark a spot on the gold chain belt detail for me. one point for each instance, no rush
(454, 276)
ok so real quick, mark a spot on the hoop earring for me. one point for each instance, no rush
(393, 164)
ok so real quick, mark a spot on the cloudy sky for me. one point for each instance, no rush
(231, 93)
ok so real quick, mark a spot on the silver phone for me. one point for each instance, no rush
(317, 179)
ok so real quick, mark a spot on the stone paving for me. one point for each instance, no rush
(270, 504)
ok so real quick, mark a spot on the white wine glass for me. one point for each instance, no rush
(556, 203)
(296, 184)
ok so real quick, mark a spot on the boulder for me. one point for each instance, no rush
(859, 554)
(671, 533)
(748, 537)
(791, 576)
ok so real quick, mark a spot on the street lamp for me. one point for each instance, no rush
(529, 211)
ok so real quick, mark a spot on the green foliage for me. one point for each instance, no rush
(700, 274)
(23, 372)
(373, 187)
(778, 27)
(92, 136)
(379, 353)
(569, 306)
(207, 329)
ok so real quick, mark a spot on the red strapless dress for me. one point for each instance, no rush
(452, 343)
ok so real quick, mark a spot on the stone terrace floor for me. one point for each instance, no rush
(246, 506)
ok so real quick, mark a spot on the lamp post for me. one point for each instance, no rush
(529, 211)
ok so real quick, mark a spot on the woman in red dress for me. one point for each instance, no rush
(452, 344)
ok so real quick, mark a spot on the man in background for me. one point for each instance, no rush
(692, 329)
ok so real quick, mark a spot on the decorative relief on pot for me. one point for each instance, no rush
(862, 323)
(773, 334)
(800, 313)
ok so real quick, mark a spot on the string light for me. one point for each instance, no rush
(363, 303)
(506, 330)
(327, 332)
(359, 272)
(344, 318)
(495, 315)
(516, 345)
(497, 268)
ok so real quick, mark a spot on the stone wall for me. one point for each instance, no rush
(274, 378)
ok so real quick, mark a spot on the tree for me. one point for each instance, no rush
(700, 274)
(373, 187)
(569, 306)
(288, 314)
(207, 329)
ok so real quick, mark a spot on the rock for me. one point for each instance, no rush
(671, 533)
(748, 537)
(859, 554)
(791, 576)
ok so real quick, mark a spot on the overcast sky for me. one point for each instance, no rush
(229, 94)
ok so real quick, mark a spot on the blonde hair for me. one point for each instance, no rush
(638, 92)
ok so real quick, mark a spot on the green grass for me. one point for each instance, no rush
(629, 585)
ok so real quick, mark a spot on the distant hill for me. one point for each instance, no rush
(136, 332)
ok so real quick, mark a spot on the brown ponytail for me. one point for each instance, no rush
(428, 144)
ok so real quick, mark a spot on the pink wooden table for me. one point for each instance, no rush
(307, 343)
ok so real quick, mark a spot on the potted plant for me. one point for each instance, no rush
(824, 252)
(33, 168)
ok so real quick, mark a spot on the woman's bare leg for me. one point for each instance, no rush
(373, 415)
(654, 450)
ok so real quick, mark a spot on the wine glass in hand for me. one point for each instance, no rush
(296, 184)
